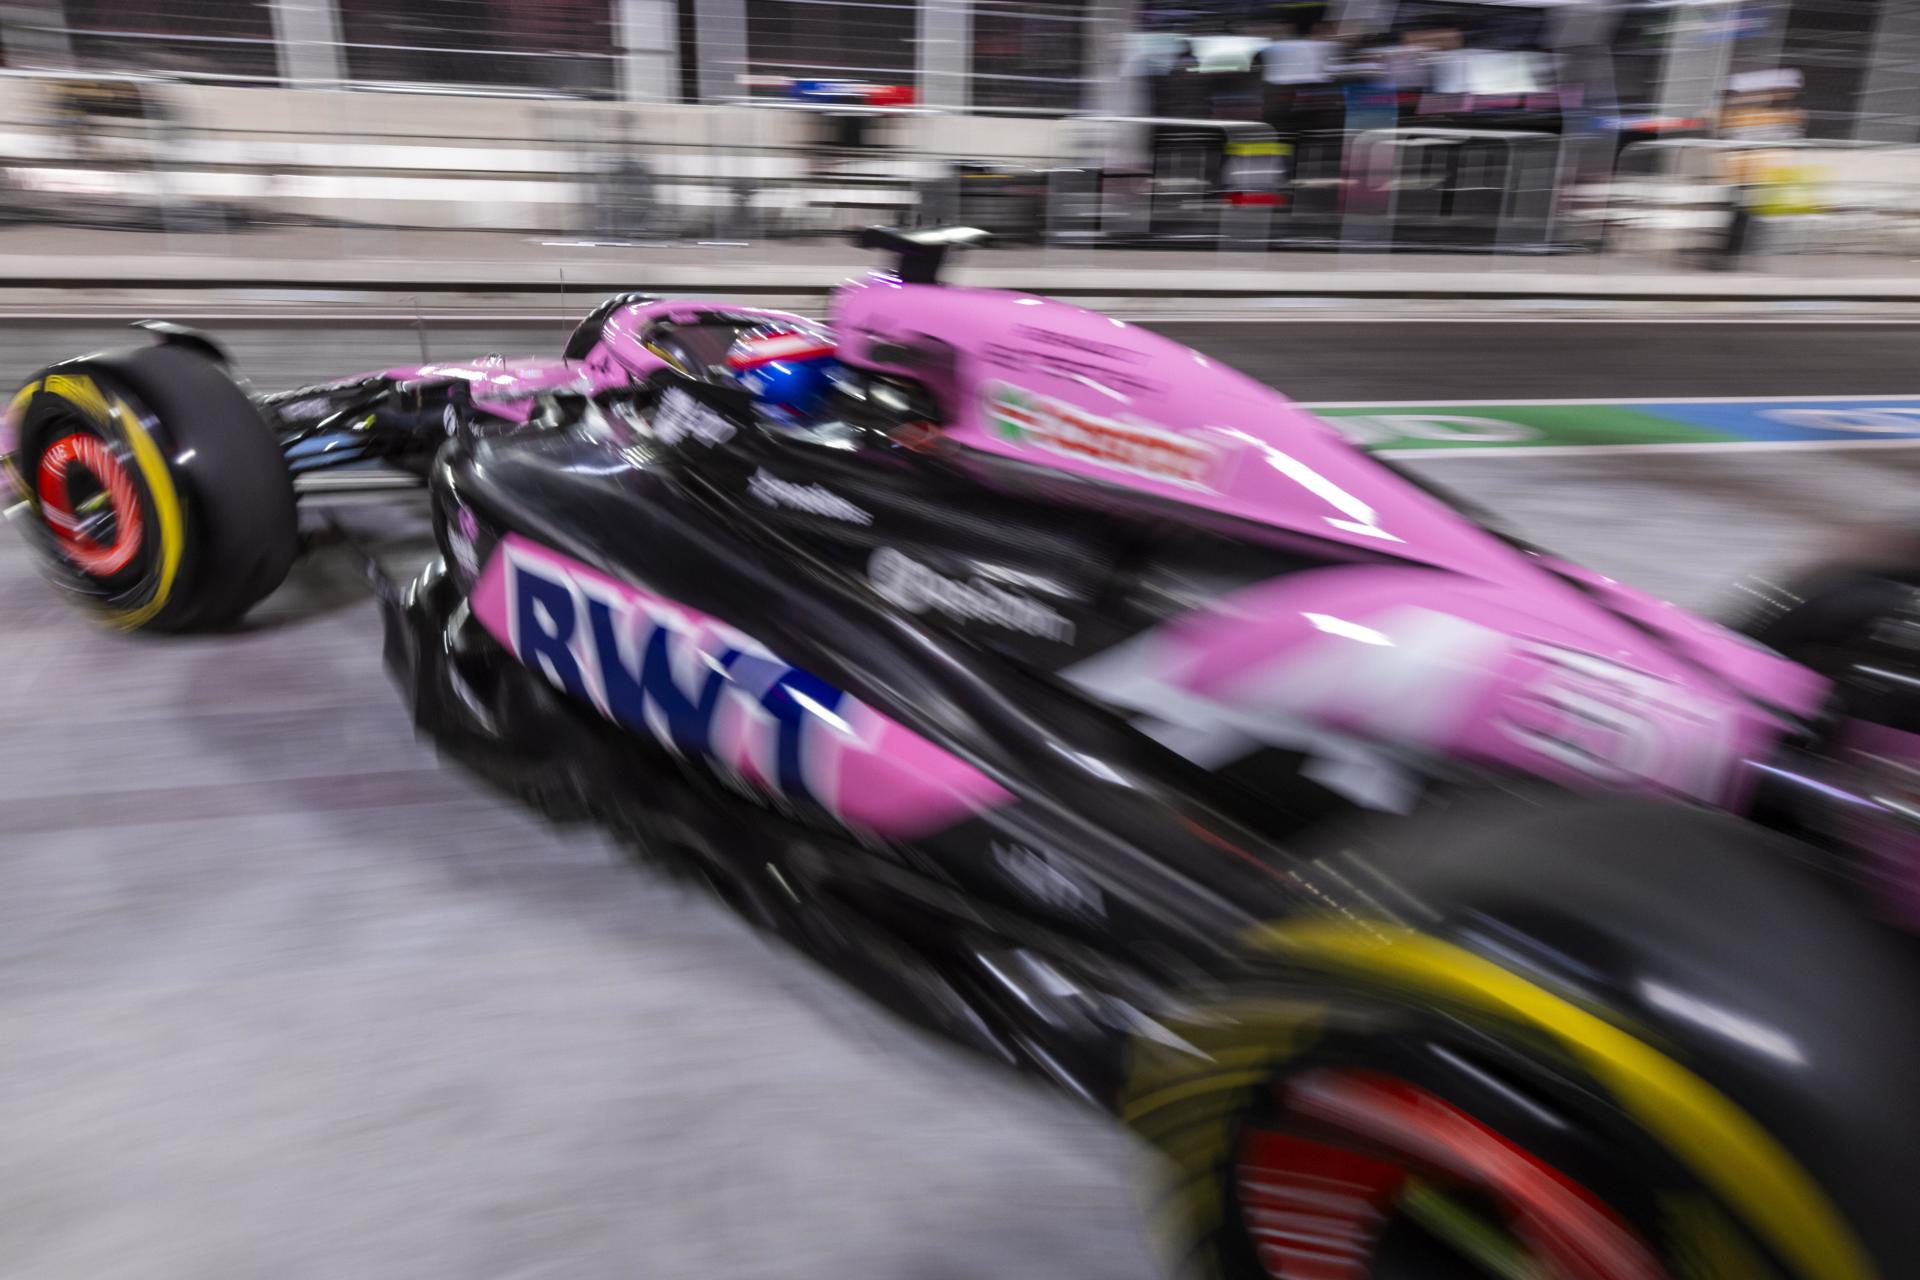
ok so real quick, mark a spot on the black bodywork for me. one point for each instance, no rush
(1046, 932)
(1125, 917)
(1051, 932)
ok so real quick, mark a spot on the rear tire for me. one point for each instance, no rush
(161, 498)
(1650, 1002)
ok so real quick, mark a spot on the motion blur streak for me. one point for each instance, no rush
(1738, 1157)
(1039, 507)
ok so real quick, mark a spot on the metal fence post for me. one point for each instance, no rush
(1887, 104)
(1362, 225)
(1510, 198)
(1698, 53)
(1109, 44)
(720, 26)
(648, 35)
(35, 33)
(306, 43)
(944, 62)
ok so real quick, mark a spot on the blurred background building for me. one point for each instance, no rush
(1509, 124)
(1052, 56)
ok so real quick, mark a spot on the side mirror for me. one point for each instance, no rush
(918, 255)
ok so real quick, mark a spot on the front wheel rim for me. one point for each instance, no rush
(89, 504)
(1350, 1153)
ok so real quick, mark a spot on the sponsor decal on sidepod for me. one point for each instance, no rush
(814, 499)
(1139, 448)
(907, 584)
(681, 417)
(706, 690)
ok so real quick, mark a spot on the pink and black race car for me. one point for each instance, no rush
(1434, 906)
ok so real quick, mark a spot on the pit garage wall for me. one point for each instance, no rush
(472, 162)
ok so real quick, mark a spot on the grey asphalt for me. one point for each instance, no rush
(1333, 357)
(281, 995)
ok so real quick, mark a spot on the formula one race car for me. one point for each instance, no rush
(1412, 891)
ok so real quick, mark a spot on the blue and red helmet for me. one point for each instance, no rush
(787, 370)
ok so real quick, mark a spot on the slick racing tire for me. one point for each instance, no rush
(1860, 598)
(1857, 622)
(1827, 616)
(159, 497)
(1592, 1040)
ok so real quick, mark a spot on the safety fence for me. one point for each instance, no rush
(1473, 189)
(1705, 199)
(148, 153)
(559, 46)
(746, 172)
(1139, 181)
(1143, 180)
(156, 153)
(1037, 55)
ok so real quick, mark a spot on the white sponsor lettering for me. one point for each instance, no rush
(907, 584)
(1046, 882)
(1616, 724)
(681, 417)
(810, 498)
(306, 410)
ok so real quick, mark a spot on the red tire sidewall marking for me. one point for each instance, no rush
(1314, 1211)
(93, 455)
(1332, 1201)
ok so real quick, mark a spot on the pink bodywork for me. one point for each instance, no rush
(509, 386)
(1257, 455)
(1468, 650)
(1403, 667)
(1442, 645)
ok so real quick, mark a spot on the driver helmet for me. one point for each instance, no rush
(787, 370)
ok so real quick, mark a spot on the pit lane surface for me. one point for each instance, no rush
(281, 995)
(1310, 357)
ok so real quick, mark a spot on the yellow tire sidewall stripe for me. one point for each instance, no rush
(16, 409)
(1730, 1152)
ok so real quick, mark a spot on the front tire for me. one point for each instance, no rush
(160, 499)
(1601, 1039)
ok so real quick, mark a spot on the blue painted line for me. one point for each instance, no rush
(1839, 418)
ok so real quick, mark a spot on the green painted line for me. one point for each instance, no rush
(1472, 426)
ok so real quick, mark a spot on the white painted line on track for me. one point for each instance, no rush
(333, 318)
(1444, 318)
(1233, 318)
(1691, 446)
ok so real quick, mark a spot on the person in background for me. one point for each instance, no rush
(1369, 82)
(1760, 107)
(1296, 76)
(1444, 64)
(1406, 60)
(1178, 90)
